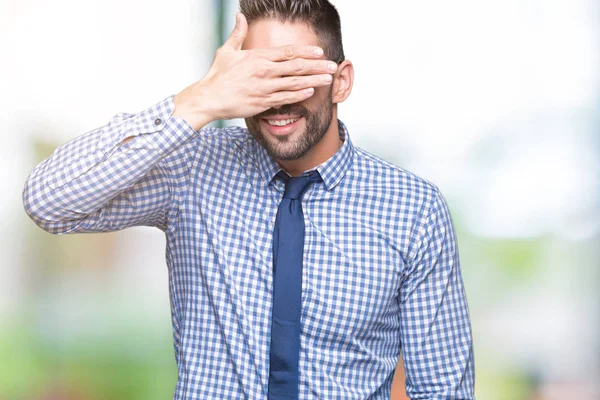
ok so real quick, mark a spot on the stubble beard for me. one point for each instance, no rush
(292, 148)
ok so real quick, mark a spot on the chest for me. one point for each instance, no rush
(351, 260)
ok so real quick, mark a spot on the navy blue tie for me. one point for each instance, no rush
(288, 246)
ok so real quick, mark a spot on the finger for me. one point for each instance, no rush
(238, 35)
(290, 97)
(295, 83)
(303, 67)
(291, 52)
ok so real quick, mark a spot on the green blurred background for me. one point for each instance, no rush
(495, 101)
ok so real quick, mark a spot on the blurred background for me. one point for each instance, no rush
(495, 101)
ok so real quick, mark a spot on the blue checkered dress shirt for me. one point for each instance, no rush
(381, 270)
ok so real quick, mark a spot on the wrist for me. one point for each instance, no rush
(192, 109)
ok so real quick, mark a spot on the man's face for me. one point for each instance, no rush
(290, 131)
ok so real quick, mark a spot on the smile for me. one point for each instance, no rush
(282, 126)
(282, 122)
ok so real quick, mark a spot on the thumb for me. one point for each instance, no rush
(238, 35)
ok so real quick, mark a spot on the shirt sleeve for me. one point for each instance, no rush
(95, 183)
(436, 334)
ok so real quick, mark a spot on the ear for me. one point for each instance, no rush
(343, 81)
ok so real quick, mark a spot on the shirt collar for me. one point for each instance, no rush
(332, 171)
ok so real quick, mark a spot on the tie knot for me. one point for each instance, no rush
(295, 186)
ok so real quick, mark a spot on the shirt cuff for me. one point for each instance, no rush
(158, 127)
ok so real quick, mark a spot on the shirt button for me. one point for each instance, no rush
(157, 121)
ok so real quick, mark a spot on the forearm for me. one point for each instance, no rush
(82, 176)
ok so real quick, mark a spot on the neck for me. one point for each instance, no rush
(322, 151)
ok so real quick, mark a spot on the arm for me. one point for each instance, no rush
(436, 332)
(119, 175)
(98, 183)
(398, 392)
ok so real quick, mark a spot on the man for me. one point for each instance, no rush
(299, 264)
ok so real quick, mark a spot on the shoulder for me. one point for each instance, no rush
(228, 133)
(214, 139)
(402, 184)
(418, 202)
(211, 143)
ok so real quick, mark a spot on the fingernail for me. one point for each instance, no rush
(309, 91)
(327, 78)
(318, 51)
(332, 66)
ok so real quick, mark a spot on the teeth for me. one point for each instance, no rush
(282, 122)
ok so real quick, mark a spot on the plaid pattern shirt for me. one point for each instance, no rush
(381, 271)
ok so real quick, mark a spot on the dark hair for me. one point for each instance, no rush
(320, 15)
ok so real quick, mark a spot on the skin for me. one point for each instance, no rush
(243, 83)
(268, 69)
(308, 145)
(266, 66)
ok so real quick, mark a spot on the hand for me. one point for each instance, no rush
(243, 83)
